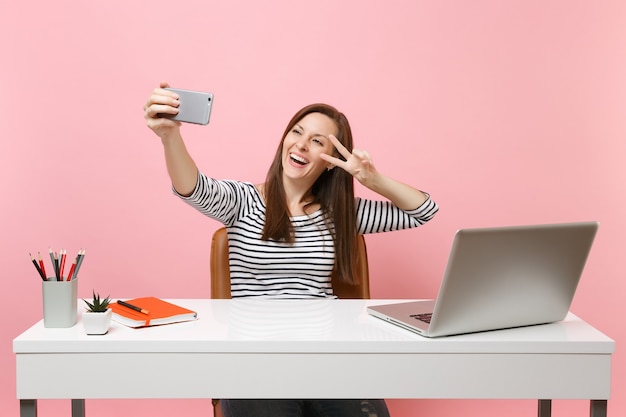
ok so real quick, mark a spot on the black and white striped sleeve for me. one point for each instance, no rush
(218, 199)
(383, 216)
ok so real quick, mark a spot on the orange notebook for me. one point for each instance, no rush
(159, 312)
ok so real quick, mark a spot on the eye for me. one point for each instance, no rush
(320, 140)
(296, 131)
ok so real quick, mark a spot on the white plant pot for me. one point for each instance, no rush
(97, 323)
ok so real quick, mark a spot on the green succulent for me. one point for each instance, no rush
(98, 305)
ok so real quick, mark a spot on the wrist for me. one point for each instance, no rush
(375, 182)
(172, 138)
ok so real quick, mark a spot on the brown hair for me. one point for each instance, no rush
(333, 191)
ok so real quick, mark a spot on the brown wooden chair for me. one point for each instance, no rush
(220, 277)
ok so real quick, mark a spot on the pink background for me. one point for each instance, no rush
(508, 112)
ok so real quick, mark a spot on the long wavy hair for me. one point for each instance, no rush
(333, 191)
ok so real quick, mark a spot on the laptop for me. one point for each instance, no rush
(498, 278)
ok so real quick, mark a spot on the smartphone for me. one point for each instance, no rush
(195, 107)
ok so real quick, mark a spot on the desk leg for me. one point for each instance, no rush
(598, 408)
(28, 408)
(545, 408)
(78, 408)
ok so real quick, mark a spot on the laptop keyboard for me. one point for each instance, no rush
(425, 317)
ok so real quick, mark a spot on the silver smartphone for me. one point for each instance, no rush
(195, 107)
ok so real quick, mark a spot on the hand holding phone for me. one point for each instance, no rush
(195, 106)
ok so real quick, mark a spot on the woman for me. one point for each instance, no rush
(288, 234)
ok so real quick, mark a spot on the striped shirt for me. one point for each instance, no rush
(276, 269)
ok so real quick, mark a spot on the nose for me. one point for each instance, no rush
(301, 144)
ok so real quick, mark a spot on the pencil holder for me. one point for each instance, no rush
(59, 302)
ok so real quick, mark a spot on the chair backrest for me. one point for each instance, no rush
(220, 270)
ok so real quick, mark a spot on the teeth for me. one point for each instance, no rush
(298, 159)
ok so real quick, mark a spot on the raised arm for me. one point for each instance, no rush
(181, 167)
(359, 164)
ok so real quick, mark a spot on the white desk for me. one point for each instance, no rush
(311, 349)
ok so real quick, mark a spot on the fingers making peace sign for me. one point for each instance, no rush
(358, 163)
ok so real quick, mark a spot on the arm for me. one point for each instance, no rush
(401, 195)
(383, 216)
(181, 167)
(359, 165)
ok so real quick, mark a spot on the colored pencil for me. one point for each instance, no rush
(54, 267)
(43, 268)
(133, 307)
(79, 261)
(41, 274)
(69, 275)
(63, 254)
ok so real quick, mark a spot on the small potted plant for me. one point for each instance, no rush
(97, 318)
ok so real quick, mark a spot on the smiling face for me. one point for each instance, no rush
(304, 144)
